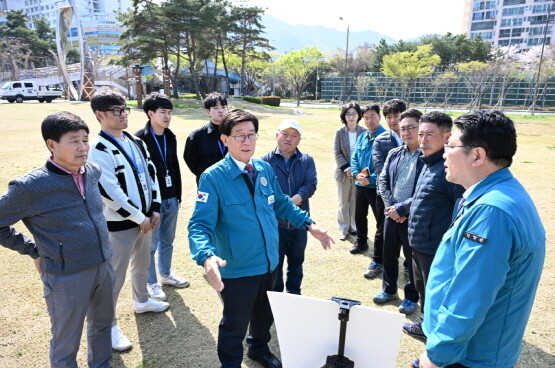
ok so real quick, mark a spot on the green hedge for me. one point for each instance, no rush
(271, 100)
(256, 100)
(266, 100)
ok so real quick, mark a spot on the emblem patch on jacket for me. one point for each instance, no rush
(202, 197)
(474, 237)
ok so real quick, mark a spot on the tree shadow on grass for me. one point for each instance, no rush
(175, 338)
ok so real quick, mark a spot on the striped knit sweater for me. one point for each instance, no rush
(127, 203)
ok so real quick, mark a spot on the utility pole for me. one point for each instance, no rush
(344, 88)
(536, 87)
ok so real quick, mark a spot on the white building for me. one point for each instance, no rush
(98, 18)
(510, 22)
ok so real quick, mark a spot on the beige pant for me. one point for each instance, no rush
(346, 210)
(130, 247)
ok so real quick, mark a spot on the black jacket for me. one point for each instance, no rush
(432, 205)
(172, 162)
(203, 149)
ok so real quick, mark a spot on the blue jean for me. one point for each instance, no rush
(292, 243)
(162, 239)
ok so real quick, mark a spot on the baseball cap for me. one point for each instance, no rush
(290, 123)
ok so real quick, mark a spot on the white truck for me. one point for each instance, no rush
(20, 91)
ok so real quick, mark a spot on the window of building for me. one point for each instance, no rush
(490, 14)
(536, 31)
(504, 33)
(481, 5)
(513, 2)
(541, 19)
(541, 8)
(516, 41)
(513, 11)
(517, 32)
(484, 35)
(479, 26)
(511, 22)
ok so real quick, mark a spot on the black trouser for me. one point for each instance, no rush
(245, 301)
(395, 237)
(368, 197)
(421, 264)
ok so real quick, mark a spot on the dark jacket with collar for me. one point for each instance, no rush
(383, 143)
(203, 149)
(432, 205)
(388, 180)
(299, 179)
(171, 161)
(69, 230)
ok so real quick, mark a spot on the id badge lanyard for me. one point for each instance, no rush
(168, 178)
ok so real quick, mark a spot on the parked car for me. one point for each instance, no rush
(20, 91)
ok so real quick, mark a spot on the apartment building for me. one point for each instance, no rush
(521, 23)
(98, 18)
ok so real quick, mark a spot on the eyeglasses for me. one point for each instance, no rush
(408, 129)
(448, 147)
(240, 138)
(118, 112)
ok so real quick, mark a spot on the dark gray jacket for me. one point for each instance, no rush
(388, 181)
(69, 230)
(432, 205)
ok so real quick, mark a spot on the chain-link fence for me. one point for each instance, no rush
(443, 89)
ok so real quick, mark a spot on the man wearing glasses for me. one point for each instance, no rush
(233, 233)
(397, 183)
(131, 198)
(486, 270)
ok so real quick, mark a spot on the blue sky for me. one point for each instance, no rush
(400, 19)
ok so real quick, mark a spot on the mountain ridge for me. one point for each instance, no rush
(286, 37)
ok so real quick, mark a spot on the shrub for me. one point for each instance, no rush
(271, 100)
(256, 100)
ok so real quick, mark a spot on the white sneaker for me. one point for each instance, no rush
(155, 291)
(174, 280)
(150, 305)
(119, 341)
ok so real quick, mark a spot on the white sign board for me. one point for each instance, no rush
(308, 331)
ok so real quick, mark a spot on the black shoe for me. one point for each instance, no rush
(268, 360)
(358, 249)
(414, 330)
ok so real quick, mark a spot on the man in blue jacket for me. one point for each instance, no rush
(233, 233)
(296, 175)
(487, 268)
(363, 170)
(432, 204)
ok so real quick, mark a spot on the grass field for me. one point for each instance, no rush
(186, 335)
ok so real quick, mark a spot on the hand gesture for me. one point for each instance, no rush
(211, 267)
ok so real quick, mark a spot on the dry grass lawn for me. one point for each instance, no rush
(185, 336)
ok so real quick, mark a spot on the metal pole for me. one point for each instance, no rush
(533, 106)
(344, 85)
(316, 86)
(346, 64)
